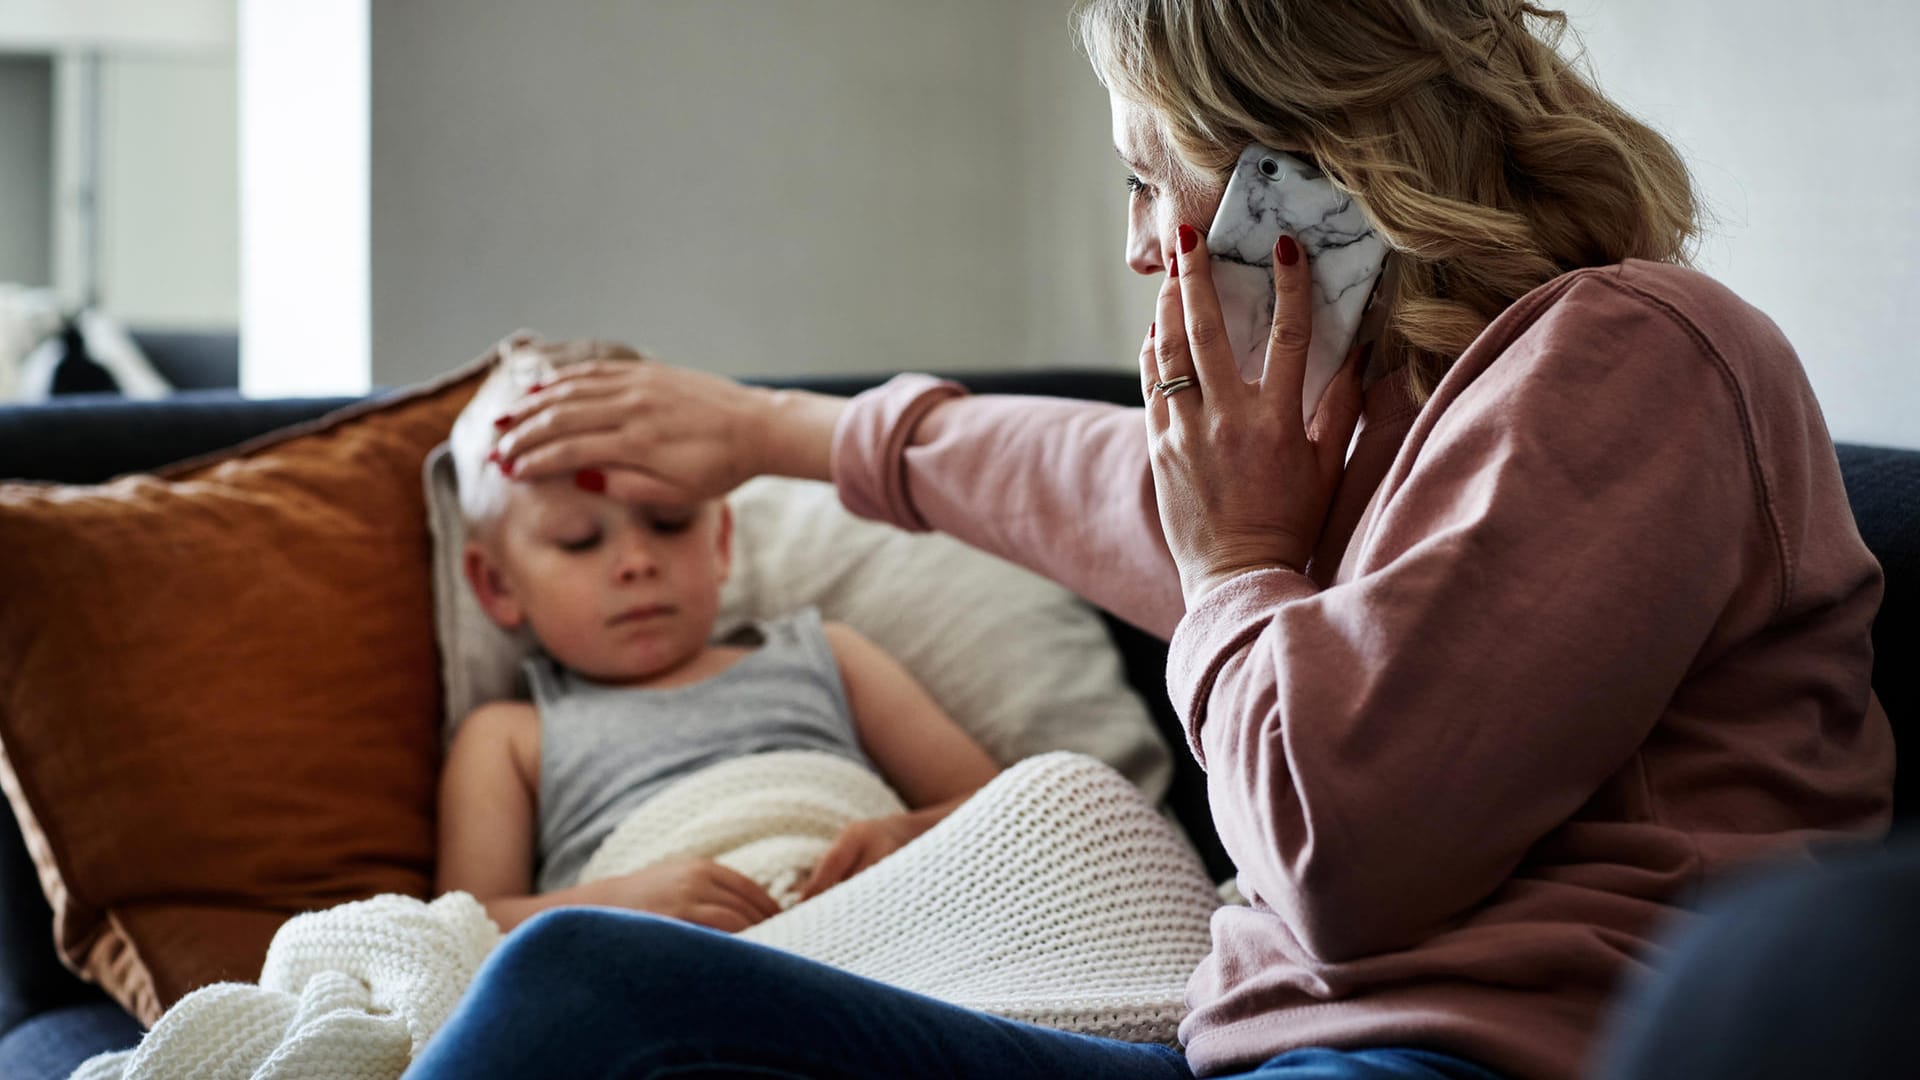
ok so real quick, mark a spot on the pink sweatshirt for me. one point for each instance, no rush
(1587, 628)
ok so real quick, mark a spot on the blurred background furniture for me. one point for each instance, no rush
(193, 359)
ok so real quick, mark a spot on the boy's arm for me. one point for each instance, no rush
(488, 800)
(929, 759)
(920, 750)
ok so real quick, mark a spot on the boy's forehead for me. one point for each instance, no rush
(539, 499)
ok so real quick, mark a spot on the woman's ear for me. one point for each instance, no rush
(723, 542)
(490, 587)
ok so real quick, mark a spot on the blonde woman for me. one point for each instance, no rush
(1554, 610)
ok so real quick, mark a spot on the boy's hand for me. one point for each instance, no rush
(692, 890)
(862, 844)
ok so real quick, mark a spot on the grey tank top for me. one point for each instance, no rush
(606, 749)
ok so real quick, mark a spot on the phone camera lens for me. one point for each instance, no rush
(1269, 168)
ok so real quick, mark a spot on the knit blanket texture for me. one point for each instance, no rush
(1056, 895)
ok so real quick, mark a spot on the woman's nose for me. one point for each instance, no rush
(1143, 252)
(1143, 249)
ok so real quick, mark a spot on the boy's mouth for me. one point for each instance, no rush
(639, 614)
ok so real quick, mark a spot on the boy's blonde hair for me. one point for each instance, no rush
(1488, 162)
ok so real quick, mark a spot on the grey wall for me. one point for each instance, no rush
(1082, 305)
(170, 191)
(26, 170)
(840, 185)
(1802, 126)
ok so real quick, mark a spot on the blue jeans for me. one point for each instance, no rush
(604, 993)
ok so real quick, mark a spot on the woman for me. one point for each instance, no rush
(1575, 618)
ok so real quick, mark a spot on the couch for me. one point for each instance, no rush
(50, 1020)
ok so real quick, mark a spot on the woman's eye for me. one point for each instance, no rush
(1135, 185)
(585, 543)
(670, 526)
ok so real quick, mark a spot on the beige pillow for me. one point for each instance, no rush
(1021, 663)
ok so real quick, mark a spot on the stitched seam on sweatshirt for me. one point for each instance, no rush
(1763, 493)
(1234, 646)
(1201, 708)
(899, 499)
(1199, 711)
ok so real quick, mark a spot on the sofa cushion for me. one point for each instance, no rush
(1883, 486)
(1021, 663)
(218, 693)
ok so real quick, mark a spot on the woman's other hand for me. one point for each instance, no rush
(645, 431)
(1242, 483)
(691, 890)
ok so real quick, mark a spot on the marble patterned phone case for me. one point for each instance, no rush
(1269, 191)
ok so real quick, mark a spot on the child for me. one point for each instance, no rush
(630, 694)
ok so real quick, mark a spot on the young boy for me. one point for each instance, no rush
(630, 694)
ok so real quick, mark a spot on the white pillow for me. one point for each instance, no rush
(1022, 664)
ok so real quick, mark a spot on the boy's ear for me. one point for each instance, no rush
(723, 540)
(490, 587)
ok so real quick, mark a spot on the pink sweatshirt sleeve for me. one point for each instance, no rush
(1059, 486)
(1557, 538)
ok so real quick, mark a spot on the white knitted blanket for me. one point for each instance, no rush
(769, 816)
(1056, 895)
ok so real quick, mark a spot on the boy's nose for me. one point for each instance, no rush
(638, 561)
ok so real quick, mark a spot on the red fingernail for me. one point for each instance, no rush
(590, 480)
(502, 423)
(1173, 265)
(1189, 236)
(1153, 327)
(536, 388)
(1286, 250)
(506, 466)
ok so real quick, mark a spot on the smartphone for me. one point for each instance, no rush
(1270, 191)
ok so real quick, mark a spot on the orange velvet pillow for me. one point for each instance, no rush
(219, 700)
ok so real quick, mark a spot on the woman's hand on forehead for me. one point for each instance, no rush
(638, 431)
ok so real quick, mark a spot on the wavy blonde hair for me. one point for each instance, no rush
(1488, 162)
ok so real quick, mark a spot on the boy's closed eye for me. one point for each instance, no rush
(665, 518)
(664, 524)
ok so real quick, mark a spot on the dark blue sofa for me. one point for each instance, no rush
(50, 1020)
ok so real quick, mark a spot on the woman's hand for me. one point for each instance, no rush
(1241, 482)
(691, 890)
(657, 433)
(860, 845)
